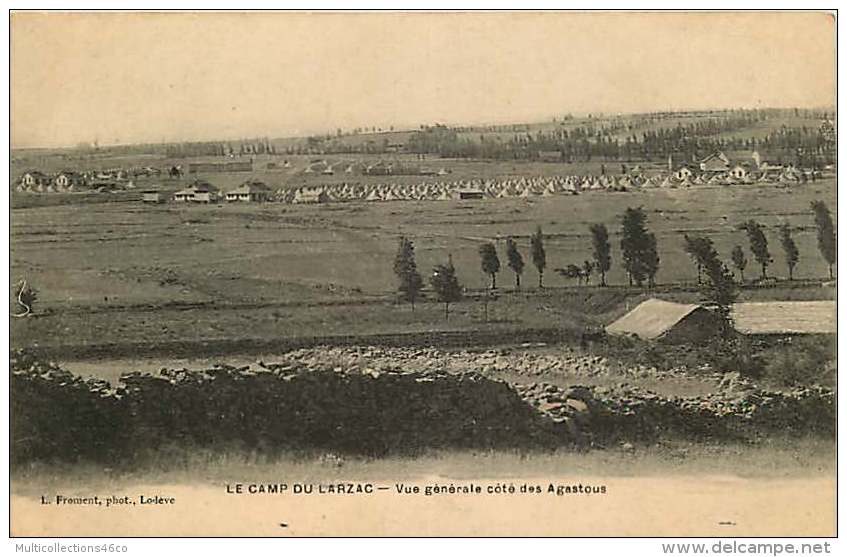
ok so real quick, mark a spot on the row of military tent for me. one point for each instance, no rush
(510, 187)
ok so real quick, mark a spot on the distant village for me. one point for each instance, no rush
(717, 169)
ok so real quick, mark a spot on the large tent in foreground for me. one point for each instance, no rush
(669, 322)
(675, 323)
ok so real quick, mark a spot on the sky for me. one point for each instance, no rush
(148, 77)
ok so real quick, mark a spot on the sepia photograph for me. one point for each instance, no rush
(422, 274)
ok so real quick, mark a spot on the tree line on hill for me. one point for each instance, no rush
(805, 146)
(610, 138)
(639, 255)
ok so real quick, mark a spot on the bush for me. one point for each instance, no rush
(633, 352)
(790, 369)
(736, 355)
(809, 361)
(785, 362)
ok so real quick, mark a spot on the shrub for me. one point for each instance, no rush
(801, 362)
(736, 355)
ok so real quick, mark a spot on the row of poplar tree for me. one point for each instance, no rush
(639, 252)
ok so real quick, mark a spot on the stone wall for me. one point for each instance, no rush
(57, 416)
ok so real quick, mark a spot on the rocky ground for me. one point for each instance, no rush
(529, 361)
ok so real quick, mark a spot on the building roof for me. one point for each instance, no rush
(191, 190)
(250, 187)
(716, 155)
(651, 318)
(771, 318)
(198, 187)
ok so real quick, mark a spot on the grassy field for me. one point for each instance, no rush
(113, 271)
(158, 253)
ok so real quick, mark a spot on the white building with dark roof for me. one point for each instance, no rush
(252, 191)
(199, 192)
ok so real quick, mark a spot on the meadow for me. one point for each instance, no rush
(129, 252)
(127, 272)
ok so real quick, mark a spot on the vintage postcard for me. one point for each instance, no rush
(422, 274)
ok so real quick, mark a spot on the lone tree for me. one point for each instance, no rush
(490, 262)
(826, 233)
(717, 285)
(602, 250)
(446, 286)
(515, 260)
(720, 289)
(697, 247)
(24, 296)
(739, 260)
(758, 245)
(638, 246)
(539, 256)
(792, 254)
(410, 281)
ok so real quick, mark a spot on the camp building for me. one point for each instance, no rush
(152, 196)
(469, 193)
(199, 192)
(251, 191)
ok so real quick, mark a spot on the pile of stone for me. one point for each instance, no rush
(622, 413)
(528, 362)
(573, 410)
